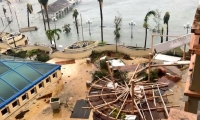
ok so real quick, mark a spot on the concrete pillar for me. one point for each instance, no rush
(193, 105)
(195, 75)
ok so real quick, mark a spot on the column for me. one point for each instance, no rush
(195, 80)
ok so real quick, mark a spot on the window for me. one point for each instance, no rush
(33, 91)
(15, 104)
(24, 97)
(41, 85)
(54, 75)
(5, 111)
(47, 80)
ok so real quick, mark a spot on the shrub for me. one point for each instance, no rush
(153, 75)
(99, 74)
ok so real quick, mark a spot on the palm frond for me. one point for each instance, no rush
(49, 34)
(43, 2)
(166, 18)
(29, 8)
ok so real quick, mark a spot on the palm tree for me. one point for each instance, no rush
(101, 14)
(166, 20)
(43, 18)
(51, 35)
(44, 3)
(117, 23)
(146, 25)
(66, 28)
(75, 15)
(29, 11)
(162, 31)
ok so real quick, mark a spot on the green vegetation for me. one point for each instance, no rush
(75, 15)
(122, 76)
(44, 3)
(117, 23)
(166, 21)
(40, 55)
(146, 25)
(29, 11)
(102, 43)
(153, 75)
(51, 35)
(66, 28)
(121, 116)
(99, 74)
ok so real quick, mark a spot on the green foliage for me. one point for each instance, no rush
(122, 76)
(51, 34)
(95, 55)
(66, 28)
(43, 2)
(152, 12)
(166, 18)
(32, 53)
(153, 75)
(21, 54)
(75, 13)
(99, 74)
(117, 23)
(102, 43)
(43, 57)
(29, 8)
(122, 116)
(157, 19)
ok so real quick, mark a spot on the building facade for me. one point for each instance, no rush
(33, 78)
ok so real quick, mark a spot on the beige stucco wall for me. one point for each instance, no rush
(87, 53)
(30, 96)
(44, 48)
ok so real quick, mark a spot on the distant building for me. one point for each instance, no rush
(60, 8)
(21, 80)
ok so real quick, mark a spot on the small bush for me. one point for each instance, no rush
(99, 74)
(153, 75)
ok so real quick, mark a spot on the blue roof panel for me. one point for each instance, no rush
(28, 72)
(16, 77)
(3, 68)
(6, 90)
(42, 68)
(16, 80)
(12, 64)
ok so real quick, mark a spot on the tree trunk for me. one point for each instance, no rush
(14, 42)
(116, 45)
(54, 42)
(145, 38)
(101, 14)
(76, 25)
(43, 19)
(167, 33)
(45, 7)
(28, 18)
(161, 36)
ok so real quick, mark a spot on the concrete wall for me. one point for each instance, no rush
(30, 96)
(44, 48)
(87, 53)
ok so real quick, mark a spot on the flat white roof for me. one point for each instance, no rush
(116, 63)
(166, 58)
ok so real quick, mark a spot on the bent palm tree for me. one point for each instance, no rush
(146, 25)
(75, 15)
(166, 20)
(101, 14)
(29, 11)
(51, 35)
(44, 3)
